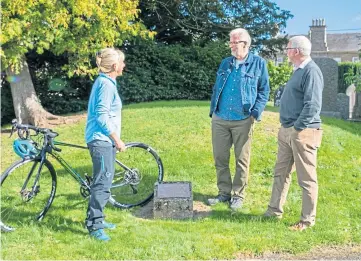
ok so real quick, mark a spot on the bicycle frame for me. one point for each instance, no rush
(66, 165)
(56, 156)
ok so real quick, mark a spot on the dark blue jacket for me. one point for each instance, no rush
(254, 87)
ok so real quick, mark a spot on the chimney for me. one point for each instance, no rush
(318, 35)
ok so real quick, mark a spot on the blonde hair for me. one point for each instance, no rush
(107, 57)
(240, 32)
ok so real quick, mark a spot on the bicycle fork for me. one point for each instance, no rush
(27, 195)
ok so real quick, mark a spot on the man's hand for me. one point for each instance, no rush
(252, 119)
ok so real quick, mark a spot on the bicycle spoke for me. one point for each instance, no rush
(137, 170)
(23, 198)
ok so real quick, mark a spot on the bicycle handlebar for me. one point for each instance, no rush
(21, 128)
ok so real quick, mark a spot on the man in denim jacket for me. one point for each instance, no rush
(239, 97)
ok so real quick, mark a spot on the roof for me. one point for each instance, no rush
(344, 42)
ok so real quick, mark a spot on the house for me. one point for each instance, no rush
(342, 47)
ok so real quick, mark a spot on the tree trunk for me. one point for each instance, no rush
(28, 109)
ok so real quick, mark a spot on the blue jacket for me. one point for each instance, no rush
(104, 110)
(255, 85)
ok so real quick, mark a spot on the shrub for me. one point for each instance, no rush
(278, 75)
(346, 71)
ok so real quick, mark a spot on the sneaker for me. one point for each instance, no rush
(218, 199)
(99, 234)
(109, 225)
(301, 225)
(236, 203)
(268, 214)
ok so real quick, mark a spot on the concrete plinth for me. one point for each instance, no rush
(173, 200)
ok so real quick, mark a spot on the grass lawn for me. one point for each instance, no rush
(180, 132)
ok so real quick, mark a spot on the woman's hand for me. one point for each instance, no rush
(119, 144)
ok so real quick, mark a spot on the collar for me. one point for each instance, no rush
(304, 63)
(246, 61)
(106, 76)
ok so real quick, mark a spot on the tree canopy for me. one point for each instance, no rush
(186, 21)
(77, 28)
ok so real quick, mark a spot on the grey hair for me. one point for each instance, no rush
(240, 32)
(107, 57)
(302, 43)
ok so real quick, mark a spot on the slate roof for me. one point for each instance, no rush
(344, 42)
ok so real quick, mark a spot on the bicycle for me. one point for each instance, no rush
(28, 186)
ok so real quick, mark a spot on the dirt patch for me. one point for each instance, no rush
(200, 210)
(65, 120)
(349, 252)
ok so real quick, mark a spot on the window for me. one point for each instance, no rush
(337, 59)
(355, 59)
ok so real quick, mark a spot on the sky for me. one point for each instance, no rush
(338, 14)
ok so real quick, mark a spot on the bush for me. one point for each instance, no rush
(153, 71)
(278, 75)
(345, 69)
(169, 72)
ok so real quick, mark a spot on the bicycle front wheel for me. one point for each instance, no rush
(136, 171)
(23, 199)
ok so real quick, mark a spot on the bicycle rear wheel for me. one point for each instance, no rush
(136, 171)
(21, 204)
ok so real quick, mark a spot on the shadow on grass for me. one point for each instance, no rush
(63, 224)
(50, 221)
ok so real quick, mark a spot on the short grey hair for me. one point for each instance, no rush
(107, 57)
(242, 32)
(302, 43)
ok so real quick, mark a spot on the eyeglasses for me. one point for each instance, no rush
(237, 42)
(289, 48)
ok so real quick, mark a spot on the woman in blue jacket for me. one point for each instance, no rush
(102, 136)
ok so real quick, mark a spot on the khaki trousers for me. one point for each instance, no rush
(296, 149)
(224, 134)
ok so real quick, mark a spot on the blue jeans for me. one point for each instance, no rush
(103, 158)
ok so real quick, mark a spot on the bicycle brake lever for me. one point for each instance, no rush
(13, 124)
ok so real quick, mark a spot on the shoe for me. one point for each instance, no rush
(99, 234)
(236, 203)
(218, 199)
(109, 225)
(301, 225)
(268, 214)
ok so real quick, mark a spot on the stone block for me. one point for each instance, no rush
(173, 200)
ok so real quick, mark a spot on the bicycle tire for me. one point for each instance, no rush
(20, 206)
(147, 169)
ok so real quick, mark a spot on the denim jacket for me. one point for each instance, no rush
(255, 85)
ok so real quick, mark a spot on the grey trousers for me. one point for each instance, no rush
(224, 134)
(103, 158)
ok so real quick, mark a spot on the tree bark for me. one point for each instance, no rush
(27, 107)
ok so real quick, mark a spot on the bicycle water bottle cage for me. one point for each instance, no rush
(25, 148)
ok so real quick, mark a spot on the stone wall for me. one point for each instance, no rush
(345, 56)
